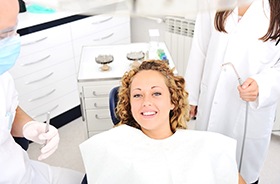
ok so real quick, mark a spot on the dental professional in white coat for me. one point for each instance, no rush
(15, 165)
(217, 100)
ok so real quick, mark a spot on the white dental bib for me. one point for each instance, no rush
(126, 155)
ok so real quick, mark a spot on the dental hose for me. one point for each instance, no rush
(246, 118)
(244, 137)
(245, 125)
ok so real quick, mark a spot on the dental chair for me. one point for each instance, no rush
(113, 101)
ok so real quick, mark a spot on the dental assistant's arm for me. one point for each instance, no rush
(21, 118)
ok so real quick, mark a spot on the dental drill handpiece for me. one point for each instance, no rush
(246, 116)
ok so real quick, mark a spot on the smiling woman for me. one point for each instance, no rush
(151, 144)
(151, 104)
(153, 93)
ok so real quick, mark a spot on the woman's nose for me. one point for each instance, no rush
(147, 101)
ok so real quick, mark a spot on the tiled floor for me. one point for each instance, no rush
(72, 134)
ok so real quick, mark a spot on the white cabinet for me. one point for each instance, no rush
(105, 29)
(95, 104)
(94, 85)
(45, 72)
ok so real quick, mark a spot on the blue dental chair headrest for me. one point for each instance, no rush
(113, 101)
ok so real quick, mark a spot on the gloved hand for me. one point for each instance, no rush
(35, 131)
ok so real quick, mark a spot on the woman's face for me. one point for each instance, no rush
(150, 103)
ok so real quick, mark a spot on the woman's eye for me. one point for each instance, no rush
(136, 96)
(157, 94)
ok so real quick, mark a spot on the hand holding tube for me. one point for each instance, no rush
(249, 90)
(36, 132)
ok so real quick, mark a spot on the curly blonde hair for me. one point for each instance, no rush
(178, 95)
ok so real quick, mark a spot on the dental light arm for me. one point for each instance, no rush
(143, 7)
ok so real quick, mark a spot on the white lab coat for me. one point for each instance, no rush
(214, 89)
(126, 155)
(15, 165)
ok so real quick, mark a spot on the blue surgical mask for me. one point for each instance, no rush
(9, 51)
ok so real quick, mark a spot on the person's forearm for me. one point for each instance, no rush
(21, 118)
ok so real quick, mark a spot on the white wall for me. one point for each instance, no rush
(140, 29)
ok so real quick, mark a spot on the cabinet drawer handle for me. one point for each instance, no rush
(103, 106)
(52, 109)
(34, 62)
(97, 117)
(101, 21)
(94, 94)
(38, 80)
(43, 96)
(36, 41)
(103, 38)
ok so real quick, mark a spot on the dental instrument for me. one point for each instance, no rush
(47, 126)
